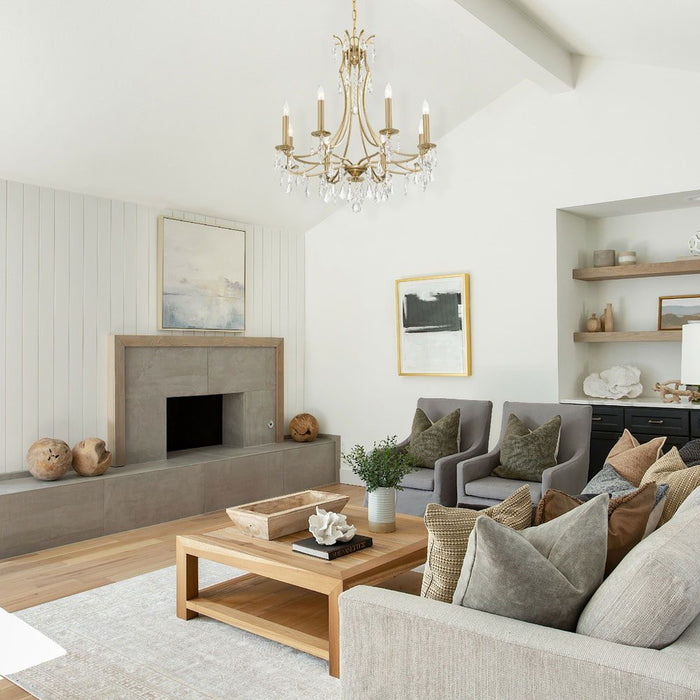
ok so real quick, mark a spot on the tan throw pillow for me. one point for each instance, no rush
(628, 516)
(430, 441)
(630, 459)
(670, 469)
(448, 535)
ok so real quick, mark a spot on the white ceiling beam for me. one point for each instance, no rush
(552, 62)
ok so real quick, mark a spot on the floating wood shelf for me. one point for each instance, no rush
(622, 272)
(629, 336)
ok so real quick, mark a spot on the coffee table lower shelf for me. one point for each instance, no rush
(272, 609)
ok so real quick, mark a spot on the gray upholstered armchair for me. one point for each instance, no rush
(439, 485)
(476, 486)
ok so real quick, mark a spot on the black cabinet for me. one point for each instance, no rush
(678, 425)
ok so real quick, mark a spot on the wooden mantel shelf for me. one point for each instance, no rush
(620, 272)
(629, 336)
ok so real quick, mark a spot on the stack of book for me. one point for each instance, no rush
(331, 551)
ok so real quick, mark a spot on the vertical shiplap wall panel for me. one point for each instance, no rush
(30, 314)
(47, 268)
(13, 319)
(75, 269)
(3, 314)
(90, 301)
(75, 321)
(61, 306)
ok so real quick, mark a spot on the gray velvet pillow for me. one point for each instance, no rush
(544, 574)
(607, 480)
(654, 593)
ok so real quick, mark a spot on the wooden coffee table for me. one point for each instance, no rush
(291, 597)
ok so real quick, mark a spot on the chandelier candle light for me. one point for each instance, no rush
(372, 174)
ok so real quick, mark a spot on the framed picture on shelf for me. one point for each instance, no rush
(432, 325)
(675, 312)
(201, 276)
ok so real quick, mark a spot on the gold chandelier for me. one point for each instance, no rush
(346, 170)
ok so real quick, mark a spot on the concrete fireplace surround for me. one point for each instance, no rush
(147, 369)
(259, 463)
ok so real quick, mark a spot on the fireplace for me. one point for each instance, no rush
(194, 421)
(179, 392)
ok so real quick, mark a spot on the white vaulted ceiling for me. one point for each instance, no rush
(654, 32)
(177, 102)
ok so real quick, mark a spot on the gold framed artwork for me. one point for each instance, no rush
(432, 326)
(201, 276)
(675, 312)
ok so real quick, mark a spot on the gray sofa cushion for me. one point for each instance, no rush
(543, 574)
(654, 594)
(498, 489)
(422, 480)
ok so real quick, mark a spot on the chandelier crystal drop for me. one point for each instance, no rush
(380, 163)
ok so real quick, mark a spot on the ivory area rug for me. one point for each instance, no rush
(125, 642)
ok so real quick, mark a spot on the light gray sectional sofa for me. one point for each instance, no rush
(395, 645)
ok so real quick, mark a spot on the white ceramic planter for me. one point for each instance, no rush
(381, 507)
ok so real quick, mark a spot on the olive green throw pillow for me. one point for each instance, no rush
(430, 441)
(526, 453)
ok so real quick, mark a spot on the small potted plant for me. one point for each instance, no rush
(382, 468)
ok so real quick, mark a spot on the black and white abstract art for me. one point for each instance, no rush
(201, 276)
(432, 319)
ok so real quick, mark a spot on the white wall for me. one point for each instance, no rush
(626, 131)
(75, 269)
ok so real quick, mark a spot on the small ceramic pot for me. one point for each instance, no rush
(603, 258)
(627, 257)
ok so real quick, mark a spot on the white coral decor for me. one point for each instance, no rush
(328, 527)
(615, 383)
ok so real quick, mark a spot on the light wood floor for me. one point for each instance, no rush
(37, 578)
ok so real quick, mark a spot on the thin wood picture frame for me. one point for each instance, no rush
(433, 334)
(676, 311)
(201, 276)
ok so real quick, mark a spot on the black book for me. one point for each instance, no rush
(331, 551)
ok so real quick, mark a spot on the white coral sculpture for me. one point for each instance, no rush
(615, 383)
(328, 527)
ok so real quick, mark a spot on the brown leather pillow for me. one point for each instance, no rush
(627, 518)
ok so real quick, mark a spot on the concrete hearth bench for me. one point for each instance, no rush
(40, 514)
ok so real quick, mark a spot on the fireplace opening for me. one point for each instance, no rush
(194, 421)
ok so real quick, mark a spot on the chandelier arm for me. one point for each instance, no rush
(338, 136)
(406, 159)
(376, 140)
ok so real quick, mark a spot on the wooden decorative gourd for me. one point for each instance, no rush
(49, 459)
(303, 428)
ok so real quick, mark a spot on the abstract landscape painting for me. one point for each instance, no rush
(202, 276)
(432, 321)
(675, 312)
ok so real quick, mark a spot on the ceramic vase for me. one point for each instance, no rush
(607, 319)
(381, 510)
(593, 324)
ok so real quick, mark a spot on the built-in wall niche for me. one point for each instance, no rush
(658, 229)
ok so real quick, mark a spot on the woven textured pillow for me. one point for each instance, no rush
(630, 459)
(448, 534)
(545, 574)
(628, 516)
(526, 453)
(430, 441)
(682, 480)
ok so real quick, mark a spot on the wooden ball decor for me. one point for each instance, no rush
(49, 459)
(303, 428)
(91, 458)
